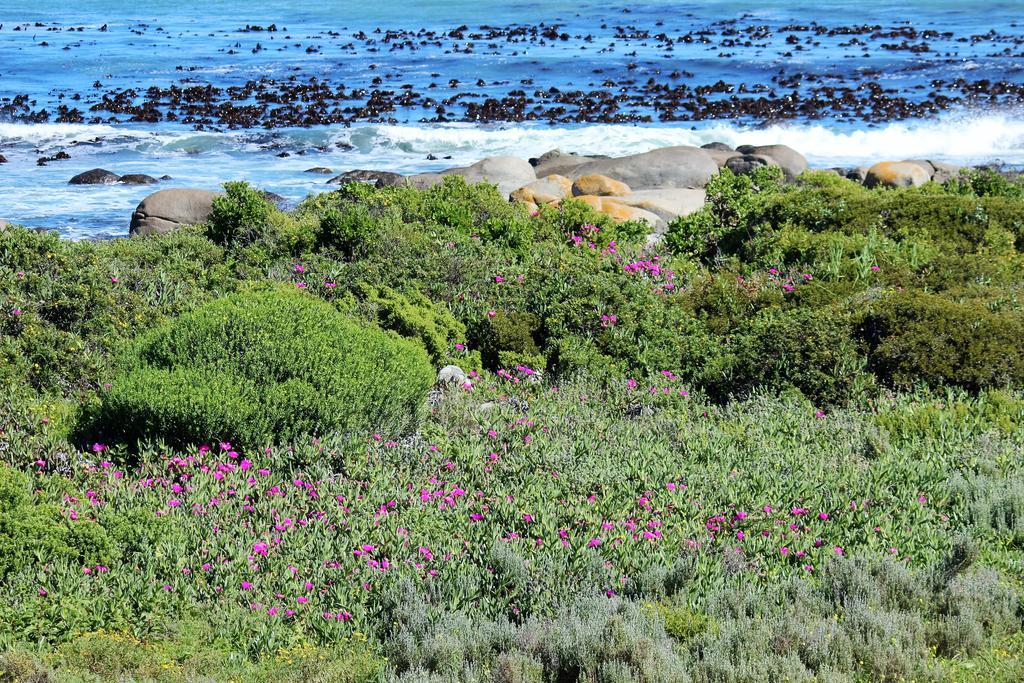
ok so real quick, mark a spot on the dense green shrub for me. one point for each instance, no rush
(413, 315)
(919, 338)
(810, 350)
(239, 215)
(29, 531)
(263, 367)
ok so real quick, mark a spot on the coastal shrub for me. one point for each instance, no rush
(29, 531)
(809, 350)
(732, 214)
(413, 315)
(920, 338)
(240, 215)
(264, 367)
(349, 230)
(509, 336)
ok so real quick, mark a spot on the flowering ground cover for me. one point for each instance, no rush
(744, 456)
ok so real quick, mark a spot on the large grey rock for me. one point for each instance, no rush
(507, 172)
(667, 167)
(717, 147)
(558, 162)
(375, 178)
(938, 171)
(744, 164)
(666, 204)
(322, 170)
(792, 162)
(423, 181)
(722, 156)
(96, 176)
(167, 210)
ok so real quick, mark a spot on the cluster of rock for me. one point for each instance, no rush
(655, 187)
(101, 176)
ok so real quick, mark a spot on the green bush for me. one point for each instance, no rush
(261, 367)
(919, 338)
(809, 350)
(240, 215)
(413, 315)
(29, 531)
(514, 332)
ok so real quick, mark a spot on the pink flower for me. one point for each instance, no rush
(875, 268)
(299, 268)
(823, 516)
(528, 518)
(246, 585)
(491, 314)
(784, 551)
(594, 542)
(173, 502)
(300, 285)
(259, 549)
(499, 279)
(115, 279)
(302, 600)
(98, 448)
(16, 312)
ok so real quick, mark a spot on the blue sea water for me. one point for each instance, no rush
(53, 52)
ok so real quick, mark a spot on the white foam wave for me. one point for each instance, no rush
(961, 139)
(977, 139)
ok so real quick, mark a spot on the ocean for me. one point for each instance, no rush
(262, 91)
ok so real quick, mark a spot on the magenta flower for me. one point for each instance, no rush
(784, 551)
(299, 268)
(594, 542)
(173, 503)
(259, 549)
(16, 312)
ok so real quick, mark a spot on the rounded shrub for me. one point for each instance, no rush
(264, 367)
(921, 338)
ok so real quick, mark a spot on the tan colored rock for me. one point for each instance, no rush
(600, 185)
(562, 181)
(542, 191)
(896, 174)
(507, 172)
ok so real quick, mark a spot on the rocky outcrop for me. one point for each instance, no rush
(96, 176)
(681, 167)
(744, 164)
(167, 210)
(937, 171)
(896, 174)
(375, 178)
(793, 163)
(322, 170)
(557, 162)
(507, 172)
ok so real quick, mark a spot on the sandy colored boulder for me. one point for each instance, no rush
(167, 210)
(938, 171)
(896, 174)
(542, 191)
(599, 185)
